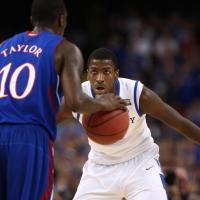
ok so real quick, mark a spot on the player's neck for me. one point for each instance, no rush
(38, 29)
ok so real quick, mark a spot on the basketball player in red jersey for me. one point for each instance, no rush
(130, 167)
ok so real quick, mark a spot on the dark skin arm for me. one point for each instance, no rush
(63, 114)
(69, 65)
(152, 104)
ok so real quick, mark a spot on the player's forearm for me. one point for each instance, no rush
(85, 104)
(173, 119)
(183, 126)
(190, 130)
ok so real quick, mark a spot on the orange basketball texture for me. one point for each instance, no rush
(106, 127)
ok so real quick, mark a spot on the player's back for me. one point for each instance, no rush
(28, 81)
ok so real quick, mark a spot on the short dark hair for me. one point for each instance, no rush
(103, 54)
(46, 11)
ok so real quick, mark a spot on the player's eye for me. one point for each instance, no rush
(93, 72)
(107, 72)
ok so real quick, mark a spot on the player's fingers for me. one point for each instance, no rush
(121, 105)
(122, 108)
(123, 102)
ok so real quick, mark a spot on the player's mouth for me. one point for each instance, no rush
(100, 90)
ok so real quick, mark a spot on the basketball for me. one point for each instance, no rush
(106, 127)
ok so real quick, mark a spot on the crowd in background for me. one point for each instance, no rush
(164, 53)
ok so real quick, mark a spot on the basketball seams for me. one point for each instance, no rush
(103, 122)
(106, 127)
(113, 134)
(90, 118)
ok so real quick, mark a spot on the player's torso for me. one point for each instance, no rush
(28, 79)
(138, 137)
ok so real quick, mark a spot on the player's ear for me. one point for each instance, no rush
(31, 20)
(116, 73)
(87, 74)
(62, 21)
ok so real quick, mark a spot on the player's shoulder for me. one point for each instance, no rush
(8, 40)
(127, 82)
(85, 84)
(18, 35)
(130, 87)
(68, 48)
(86, 87)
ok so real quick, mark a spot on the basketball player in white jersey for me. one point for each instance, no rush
(130, 167)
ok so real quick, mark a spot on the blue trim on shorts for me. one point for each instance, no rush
(162, 177)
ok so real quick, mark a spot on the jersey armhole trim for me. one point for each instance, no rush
(78, 116)
(135, 99)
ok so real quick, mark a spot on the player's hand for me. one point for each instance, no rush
(111, 102)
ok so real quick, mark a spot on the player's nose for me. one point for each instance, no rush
(100, 77)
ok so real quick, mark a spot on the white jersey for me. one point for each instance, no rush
(138, 137)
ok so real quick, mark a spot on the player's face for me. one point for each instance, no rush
(102, 75)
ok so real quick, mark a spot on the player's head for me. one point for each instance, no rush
(49, 14)
(102, 71)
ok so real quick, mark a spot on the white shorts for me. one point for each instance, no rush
(140, 178)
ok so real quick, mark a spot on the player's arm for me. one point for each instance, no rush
(152, 104)
(63, 114)
(69, 63)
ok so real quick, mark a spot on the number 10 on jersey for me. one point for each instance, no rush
(14, 80)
